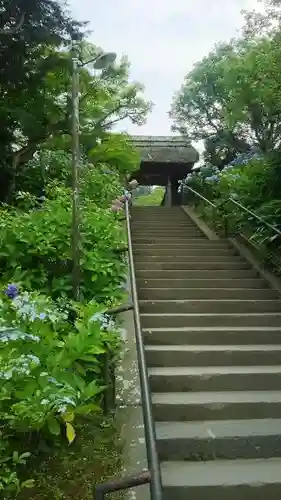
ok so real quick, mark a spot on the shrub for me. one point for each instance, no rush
(50, 372)
(248, 180)
(35, 246)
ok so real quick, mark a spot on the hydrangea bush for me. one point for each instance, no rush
(53, 350)
(46, 372)
(35, 247)
(247, 180)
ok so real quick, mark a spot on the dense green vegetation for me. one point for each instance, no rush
(232, 101)
(53, 350)
(155, 197)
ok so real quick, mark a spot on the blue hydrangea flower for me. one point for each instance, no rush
(212, 178)
(11, 291)
(243, 158)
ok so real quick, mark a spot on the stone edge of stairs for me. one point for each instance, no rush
(239, 246)
(129, 415)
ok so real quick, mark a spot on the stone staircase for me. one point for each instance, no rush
(212, 332)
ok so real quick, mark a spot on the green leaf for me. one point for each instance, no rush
(68, 416)
(29, 483)
(86, 409)
(27, 454)
(91, 390)
(70, 432)
(53, 426)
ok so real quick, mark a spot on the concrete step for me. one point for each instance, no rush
(197, 274)
(154, 215)
(222, 479)
(202, 319)
(213, 355)
(161, 221)
(212, 335)
(219, 439)
(200, 283)
(215, 378)
(175, 210)
(173, 227)
(166, 229)
(167, 236)
(164, 219)
(193, 243)
(183, 266)
(148, 225)
(205, 293)
(164, 251)
(176, 242)
(155, 239)
(190, 406)
(167, 259)
(209, 306)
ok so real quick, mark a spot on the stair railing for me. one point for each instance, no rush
(152, 476)
(220, 208)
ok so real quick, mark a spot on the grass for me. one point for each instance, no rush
(71, 473)
(154, 198)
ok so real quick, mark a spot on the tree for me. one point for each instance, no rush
(263, 22)
(42, 114)
(199, 108)
(41, 24)
(234, 95)
(218, 152)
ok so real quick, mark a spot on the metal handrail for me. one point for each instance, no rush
(256, 216)
(201, 196)
(153, 474)
(245, 209)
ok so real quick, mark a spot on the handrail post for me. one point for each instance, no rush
(182, 194)
(168, 193)
(225, 225)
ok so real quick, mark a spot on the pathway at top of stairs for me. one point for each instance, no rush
(212, 333)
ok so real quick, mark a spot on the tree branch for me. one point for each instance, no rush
(14, 30)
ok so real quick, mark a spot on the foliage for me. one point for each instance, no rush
(70, 472)
(117, 152)
(40, 115)
(52, 350)
(262, 21)
(142, 190)
(232, 99)
(46, 370)
(24, 63)
(36, 245)
(250, 182)
(154, 198)
(106, 163)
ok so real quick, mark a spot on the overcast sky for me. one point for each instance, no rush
(163, 39)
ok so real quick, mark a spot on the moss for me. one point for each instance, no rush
(95, 456)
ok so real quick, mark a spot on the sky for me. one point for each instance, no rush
(162, 39)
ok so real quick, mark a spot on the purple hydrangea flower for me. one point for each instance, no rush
(11, 291)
